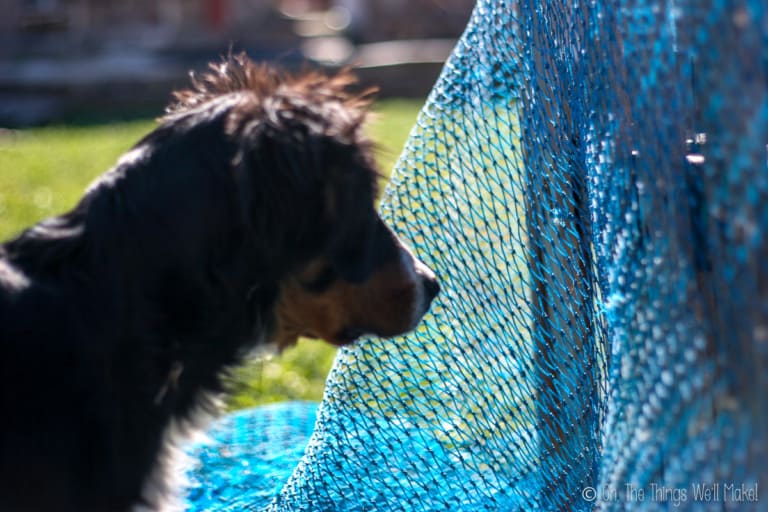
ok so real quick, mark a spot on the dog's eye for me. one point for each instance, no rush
(320, 280)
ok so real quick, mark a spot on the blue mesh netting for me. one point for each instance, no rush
(589, 181)
(247, 456)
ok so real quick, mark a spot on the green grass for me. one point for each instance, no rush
(44, 171)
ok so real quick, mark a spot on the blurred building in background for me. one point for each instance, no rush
(67, 27)
(82, 25)
(63, 56)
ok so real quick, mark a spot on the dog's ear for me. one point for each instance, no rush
(350, 206)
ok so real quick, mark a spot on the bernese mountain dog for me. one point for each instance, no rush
(245, 218)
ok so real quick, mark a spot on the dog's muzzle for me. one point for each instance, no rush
(425, 281)
(430, 287)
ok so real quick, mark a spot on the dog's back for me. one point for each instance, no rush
(103, 308)
(58, 393)
(98, 307)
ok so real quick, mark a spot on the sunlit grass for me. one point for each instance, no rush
(44, 171)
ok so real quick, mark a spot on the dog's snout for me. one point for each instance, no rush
(426, 278)
(432, 286)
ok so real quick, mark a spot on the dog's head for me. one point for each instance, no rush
(307, 178)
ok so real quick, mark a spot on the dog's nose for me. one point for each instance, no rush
(432, 286)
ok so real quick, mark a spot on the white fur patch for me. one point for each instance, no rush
(163, 487)
(417, 272)
(130, 158)
(12, 278)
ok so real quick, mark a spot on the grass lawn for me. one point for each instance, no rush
(43, 172)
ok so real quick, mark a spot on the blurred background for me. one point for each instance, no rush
(59, 58)
(82, 80)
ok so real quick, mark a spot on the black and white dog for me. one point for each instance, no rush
(246, 217)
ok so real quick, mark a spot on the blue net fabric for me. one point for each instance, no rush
(245, 458)
(590, 182)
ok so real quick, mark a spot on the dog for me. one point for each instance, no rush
(246, 217)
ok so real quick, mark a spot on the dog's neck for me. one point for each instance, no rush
(164, 355)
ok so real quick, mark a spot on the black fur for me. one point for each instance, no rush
(118, 317)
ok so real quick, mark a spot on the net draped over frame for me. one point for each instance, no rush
(589, 181)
